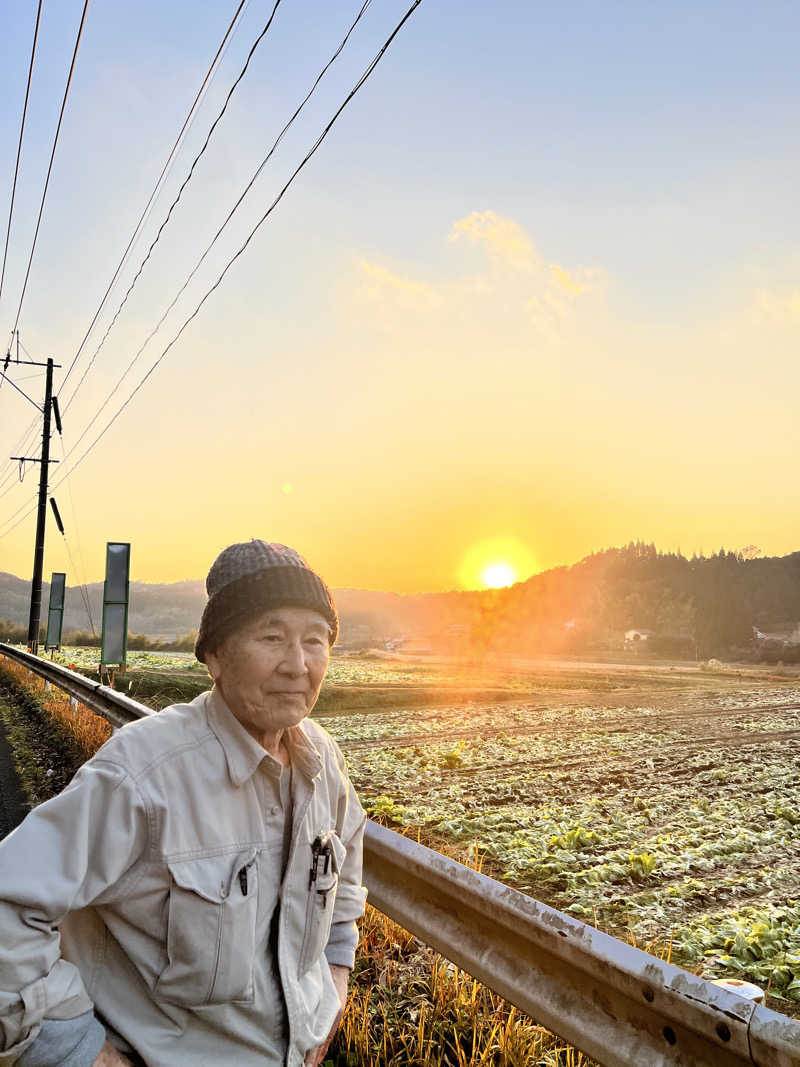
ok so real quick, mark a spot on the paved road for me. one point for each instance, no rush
(13, 806)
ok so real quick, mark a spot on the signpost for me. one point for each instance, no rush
(55, 612)
(115, 605)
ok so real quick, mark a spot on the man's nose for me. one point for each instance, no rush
(294, 659)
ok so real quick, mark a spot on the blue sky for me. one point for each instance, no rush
(649, 152)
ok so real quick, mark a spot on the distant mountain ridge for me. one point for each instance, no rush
(170, 610)
(158, 610)
(713, 601)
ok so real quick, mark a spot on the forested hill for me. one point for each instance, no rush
(713, 601)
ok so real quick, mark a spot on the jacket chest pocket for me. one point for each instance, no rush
(327, 855)
(211, 930)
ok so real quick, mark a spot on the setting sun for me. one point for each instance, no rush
(498, 575)
(495, 563)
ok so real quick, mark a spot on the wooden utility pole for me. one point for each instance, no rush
(41, 518)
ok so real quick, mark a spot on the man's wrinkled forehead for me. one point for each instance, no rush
(305, 619)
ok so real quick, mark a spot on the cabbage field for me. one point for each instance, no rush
(675, 821)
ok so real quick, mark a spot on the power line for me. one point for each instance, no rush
(20, 447)
(30, 377)
(33, 427)
(14, 514)
(81, 587)
(216, 236)
(28, 435)
(80, 573)
(358, 85)
(19, 145)
(191, 113)
(174, 203)
(52, 157)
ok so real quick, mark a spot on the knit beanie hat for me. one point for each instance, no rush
(248, 579)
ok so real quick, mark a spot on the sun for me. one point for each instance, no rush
(497, 575)
(496, 563)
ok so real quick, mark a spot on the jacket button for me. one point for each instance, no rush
(274, 811)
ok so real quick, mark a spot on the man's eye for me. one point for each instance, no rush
(272, 638)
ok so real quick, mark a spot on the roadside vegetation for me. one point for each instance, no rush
(49, 739)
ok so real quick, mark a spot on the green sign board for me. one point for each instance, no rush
(55, 613)
(115, 605)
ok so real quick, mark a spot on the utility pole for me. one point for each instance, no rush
(41, 517)
(38, 555)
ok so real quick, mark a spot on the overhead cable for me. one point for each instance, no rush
(174, 203)
(19, 145)
(25, 440)
(80, 572)
(156, 188)
(14, 514)
(216, 236)
(52, 157)
(82, 587)
(358, 85)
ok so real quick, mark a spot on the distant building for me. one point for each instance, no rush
(637, 638)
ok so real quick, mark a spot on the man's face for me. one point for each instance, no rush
(270, 671)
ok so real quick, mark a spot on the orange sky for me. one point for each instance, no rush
(504, 399)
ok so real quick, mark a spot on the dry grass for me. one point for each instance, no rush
(410, 1006)
(87, 730)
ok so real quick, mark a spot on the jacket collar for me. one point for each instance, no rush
(244, 755)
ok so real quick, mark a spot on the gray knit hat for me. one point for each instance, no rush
(249, 578)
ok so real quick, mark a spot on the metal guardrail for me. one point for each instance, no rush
(116, 707)
(615, 1002)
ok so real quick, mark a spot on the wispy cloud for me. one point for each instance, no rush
(517, 280)
(780, 306)
(504, 239)
(378, 283)
(575, 283)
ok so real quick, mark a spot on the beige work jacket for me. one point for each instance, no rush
(147, 889)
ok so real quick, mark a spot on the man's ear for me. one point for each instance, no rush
(213, 665)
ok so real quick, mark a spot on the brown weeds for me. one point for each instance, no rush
(89, 731)
(408, 1005)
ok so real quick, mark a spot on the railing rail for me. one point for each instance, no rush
(615, 1002)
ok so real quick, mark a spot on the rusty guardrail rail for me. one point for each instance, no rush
(615, 1002)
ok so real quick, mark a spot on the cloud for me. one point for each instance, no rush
(573, 284)
(781, 306)
(378, 284)
(517, 283)
(504, 239)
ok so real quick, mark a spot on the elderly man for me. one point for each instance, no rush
(191, 897)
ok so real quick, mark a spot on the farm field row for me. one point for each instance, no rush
(662, 823)
(525, 677)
